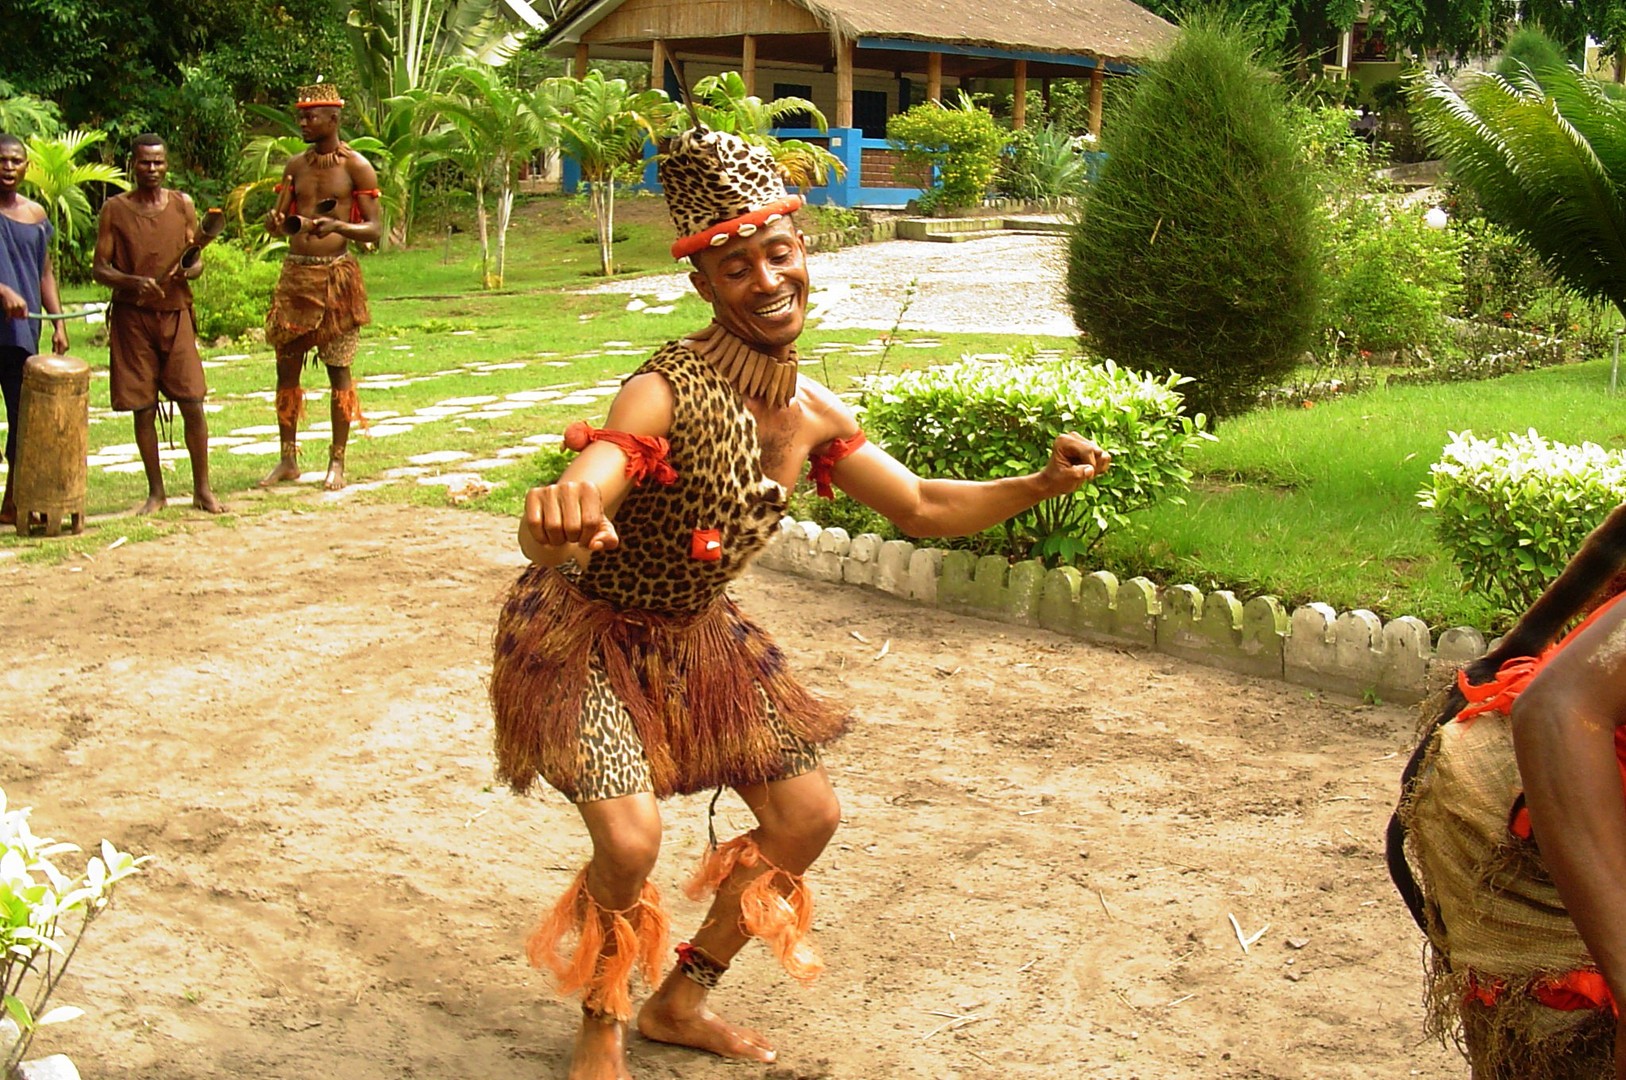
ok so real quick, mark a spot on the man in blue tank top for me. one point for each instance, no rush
(26, 284)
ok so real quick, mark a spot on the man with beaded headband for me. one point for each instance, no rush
(623, 672)
(328, 197)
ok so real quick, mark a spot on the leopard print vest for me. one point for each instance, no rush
(667, 561)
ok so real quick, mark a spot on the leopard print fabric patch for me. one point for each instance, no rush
(713, 176)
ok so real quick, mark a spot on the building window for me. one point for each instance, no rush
(795, 119)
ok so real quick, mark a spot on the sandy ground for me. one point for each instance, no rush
(1043, 839)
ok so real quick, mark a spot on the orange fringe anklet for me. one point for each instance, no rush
(609, 944)
(783, 919)
(348, 405)
(290, 406)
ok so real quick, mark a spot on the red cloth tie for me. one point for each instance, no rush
(646, 454)
(822, 462)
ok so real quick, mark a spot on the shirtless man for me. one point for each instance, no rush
(320, 302)
(629, 676)
(152, 333)
(27, 283)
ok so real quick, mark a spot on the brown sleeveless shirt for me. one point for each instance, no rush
(146, 242)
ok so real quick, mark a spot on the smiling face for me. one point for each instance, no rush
(757, 286)
(13, 166)
(151, 164)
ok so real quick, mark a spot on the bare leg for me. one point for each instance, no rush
(8, 505)
(197, 449)
(289, 360)
(626, 836)
(795, 820)
(146, 436)
(339, 379)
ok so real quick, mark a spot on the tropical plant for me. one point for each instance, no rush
(401, 45)
(23, 115)
(722, 104)
(1044, 162)
(962, 142)
(37, 903)
(1198, 248)
(497, 128)
(1545, 155)
(604, 126)
(59, 181)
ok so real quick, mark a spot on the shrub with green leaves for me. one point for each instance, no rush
(1513, 511)
(234, 291)
(43, 915)
(1044, 162)
(962, 141)
(1391, 280)
(1198, 247)
(977, 420)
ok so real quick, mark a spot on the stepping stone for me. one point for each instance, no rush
(232, 356)
(96, 461)
(207, 364)
(599, 391)
(625, 352)
(636, 304)
(991, 356)
(439, 457)
(227, 440)
(664, 309)
(259, 449)
(437, 411)
(922, 345)
(165, 454)
(384, 431)
(533, 396)
(484, 399)
(350, 489)
(314, 477)
(131, 449)
(492, 414)
(547, 438)
(557, 363)
(486, 463)
(545, 354)
(455, 480)
(507, 406)
(125, 467)
(402, 348)
(577, 399)
(517, 451)
(464, 430)
(515, 366)
(405, 471)
(384, 384)
(462, 333)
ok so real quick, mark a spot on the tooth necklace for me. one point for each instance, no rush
(752, 373)
(328, 160)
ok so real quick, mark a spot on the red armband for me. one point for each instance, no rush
(822, 462)
(356, 216)
(646, 454)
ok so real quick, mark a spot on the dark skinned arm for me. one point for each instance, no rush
(370, 229)
(571, 518)
(1564, 727)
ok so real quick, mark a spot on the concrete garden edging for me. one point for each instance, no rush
(1351, 652)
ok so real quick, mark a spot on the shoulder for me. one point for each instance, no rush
(115, 204)
(829, 416)
(33, 211)
(360, 169)
(186, 200)
(644, 405)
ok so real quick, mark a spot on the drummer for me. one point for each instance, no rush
(26, 284)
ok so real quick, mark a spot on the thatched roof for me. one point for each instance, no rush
(1108, 29)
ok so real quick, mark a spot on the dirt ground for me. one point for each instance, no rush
(1043, 839)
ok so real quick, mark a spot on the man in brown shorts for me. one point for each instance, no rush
(152, 332)
(331, 192)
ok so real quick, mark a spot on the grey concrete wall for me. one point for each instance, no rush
(1351, 652)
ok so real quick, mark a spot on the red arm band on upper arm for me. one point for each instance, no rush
(822, 462)
(356, 216)
(646, 454)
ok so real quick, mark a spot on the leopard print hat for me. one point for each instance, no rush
(719, 186)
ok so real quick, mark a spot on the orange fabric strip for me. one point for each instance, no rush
(356, 216)
(822, 462)
(685, 246)
(646, 454)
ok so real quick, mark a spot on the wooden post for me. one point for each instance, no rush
(580, 69)
(1098, 79)
(844, 83)
(748, 64)
(657, 64)
(934, 76)
(1019, 96)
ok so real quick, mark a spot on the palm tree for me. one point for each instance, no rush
(1545, 153)
(57, 180)
(722, 104)
(604, 127)
(401, 45)
(497, 129)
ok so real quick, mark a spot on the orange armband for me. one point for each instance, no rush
(822, 462)
(646, 454)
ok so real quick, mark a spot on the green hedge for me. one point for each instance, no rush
(977, 420)
(233, 293)
(1513, 511)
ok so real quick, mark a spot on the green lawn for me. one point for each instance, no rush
(1306, 504)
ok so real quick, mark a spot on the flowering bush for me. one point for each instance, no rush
(37, 902)
(976, 420)
(1512, 512)
(962, 141)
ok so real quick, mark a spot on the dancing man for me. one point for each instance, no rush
(328, 197)
(27, 284)
(623, 672)
(151, 328)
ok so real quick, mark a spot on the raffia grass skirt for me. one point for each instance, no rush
(708, 693)
(1495, 917)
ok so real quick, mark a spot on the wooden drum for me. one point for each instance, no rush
(53, 426)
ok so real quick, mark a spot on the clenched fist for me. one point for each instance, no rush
(570, 512)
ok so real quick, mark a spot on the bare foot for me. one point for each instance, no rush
(334, 480)
(205, 500)
(153, 504)
(8, 514)
(601, 1051)
(669, 1018)
(287, 469)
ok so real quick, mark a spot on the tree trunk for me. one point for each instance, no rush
(505, 210)
(604, 210)
(485, 234)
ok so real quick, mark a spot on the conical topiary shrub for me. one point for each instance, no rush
(1197, 249)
